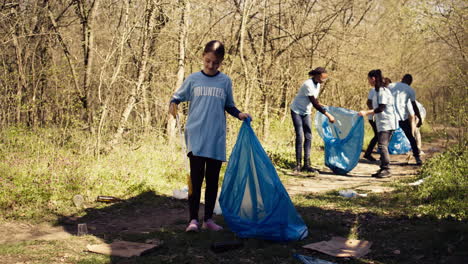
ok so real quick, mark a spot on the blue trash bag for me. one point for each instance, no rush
(399, 144)
(343, 139)
(254, 202)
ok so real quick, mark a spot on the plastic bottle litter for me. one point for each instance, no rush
(78, 200)
(217, 209)
(180, 194)
(82, 229)
(351, 194)
(107, 199)
(418, 182)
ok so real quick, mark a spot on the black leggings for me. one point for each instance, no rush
(373, 141)
(201, 167)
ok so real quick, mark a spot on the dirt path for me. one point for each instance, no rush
(145, 218)
(402, 166)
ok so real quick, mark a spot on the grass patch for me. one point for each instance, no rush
(42, 170)
(40, 174)
(443, 193)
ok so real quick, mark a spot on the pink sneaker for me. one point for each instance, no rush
(211, 225)
(192, 226)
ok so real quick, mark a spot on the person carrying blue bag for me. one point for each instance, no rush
(301, 109)
(210, 94)
(404, 94)
(254, 202)
(385, 119)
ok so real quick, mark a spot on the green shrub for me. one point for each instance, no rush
(444, 191)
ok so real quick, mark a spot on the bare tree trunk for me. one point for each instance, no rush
(245, 14)
(142, 70)
(87, 18)
(21, 83)
(104, 109)
(183, 25)
(266, 116)
(262, 74)
(67, 53)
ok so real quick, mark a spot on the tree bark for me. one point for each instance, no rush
(184, 6)
(87, 18)
(142, 71)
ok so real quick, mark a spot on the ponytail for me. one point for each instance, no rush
(377, 75)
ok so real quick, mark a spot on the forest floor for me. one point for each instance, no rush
(402, 166)
(151, 216)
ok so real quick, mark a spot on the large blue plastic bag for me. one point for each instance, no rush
(254, 202)
(399, 144)
(343, 139)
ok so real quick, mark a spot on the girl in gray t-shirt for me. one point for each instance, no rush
(210, 95)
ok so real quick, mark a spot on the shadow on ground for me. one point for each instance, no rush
(396, 239)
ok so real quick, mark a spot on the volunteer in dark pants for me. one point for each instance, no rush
(385, 119)
(403, 93)
(368, 154)
(301, 109)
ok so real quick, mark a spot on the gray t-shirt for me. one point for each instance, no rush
(205, 131)
(385, 120)
(402, 93)
(301, 104)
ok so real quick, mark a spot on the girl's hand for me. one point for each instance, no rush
(173, 109)
(362, 113)
(243, 116)
(330, 117)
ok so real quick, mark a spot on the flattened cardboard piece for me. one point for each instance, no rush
(124, 249)
(342, 247)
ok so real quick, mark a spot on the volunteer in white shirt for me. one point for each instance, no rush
(385, 119)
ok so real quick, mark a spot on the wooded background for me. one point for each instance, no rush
(111, 66)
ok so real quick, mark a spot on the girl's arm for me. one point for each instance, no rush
(317, 105)
(377, 110)
(230, 106)
(181, 95)
(232, 110)
(320, 108)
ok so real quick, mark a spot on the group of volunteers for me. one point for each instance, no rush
(391, 105)
(209, 92)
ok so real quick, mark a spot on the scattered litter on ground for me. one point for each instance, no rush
(82, 229)
(217, 209)
(78, 200)
(311, 260)
(418, 182)
(342, 247)
(351, 193)
(124, 249)
(153, 241)
(180, 194)
(108, 199)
